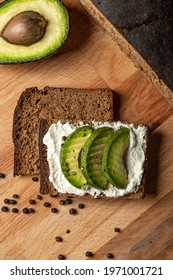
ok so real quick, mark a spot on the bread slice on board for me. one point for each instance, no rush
(144, 30)
(52, 104)
(47, 187)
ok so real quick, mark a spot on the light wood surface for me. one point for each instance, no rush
(90, 59)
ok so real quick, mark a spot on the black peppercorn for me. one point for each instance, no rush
(62, 202)
(110, 256)
(15, 210)
(13, 201)
(2, 175)
(58, 239)
(61, 257)
(31, 210)
(25, 210)
(81, 206)
(54, 210)
(39, 197)
(117, 229)
(72, 211)
(89, 254)
(6, 201)
(53, 195)
(68, 201)
(35, 179)
(67, 231)
(15, 195)
(47, 204)
(32, 201)
(5, 209)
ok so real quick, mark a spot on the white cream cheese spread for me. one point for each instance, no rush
(135, 160)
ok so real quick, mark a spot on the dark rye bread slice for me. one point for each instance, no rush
(144, 31)
(46, 187)
(53, 104)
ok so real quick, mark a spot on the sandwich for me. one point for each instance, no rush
(70, 137)
(96, 159)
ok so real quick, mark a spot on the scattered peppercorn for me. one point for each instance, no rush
(5, 209)
(67, 231)
(53, 195)
(13, 201)
(39, 197)
(58, 239)
(35, 179)
(61, 257)
(89, 254)
(2, 175)
(110, 256)
(47, 204)
(64, 138)
(73, 211)
(31, 210)
(68, 201)
(15, 210)
(6, 201)
(25, 210)
(15, 195)
(54, 210)
(32, 201)
(117, 229)
(81, 206)
(62, 202)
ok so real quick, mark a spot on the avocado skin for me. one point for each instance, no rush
(39, 53)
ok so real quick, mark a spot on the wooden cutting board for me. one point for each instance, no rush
(90, 59)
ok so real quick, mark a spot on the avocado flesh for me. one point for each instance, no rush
(91, 157)
(69, 156)
(56, 31)
(113, 158)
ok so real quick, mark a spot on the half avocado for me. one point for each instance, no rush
(31, 29)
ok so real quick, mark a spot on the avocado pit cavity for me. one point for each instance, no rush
(26, 28)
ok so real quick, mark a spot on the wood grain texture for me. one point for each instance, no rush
(90, 59)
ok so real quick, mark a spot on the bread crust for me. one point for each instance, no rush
(46, 187)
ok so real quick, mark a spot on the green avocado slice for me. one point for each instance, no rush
(69, 156)
(54, 36)
(91, 157)
(113, 164)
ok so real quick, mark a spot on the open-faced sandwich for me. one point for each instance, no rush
(70, 137)
(100, 159)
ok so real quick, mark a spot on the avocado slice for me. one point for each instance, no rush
(91, 157)
(69, 156)
(51, 27)
(113, 164)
